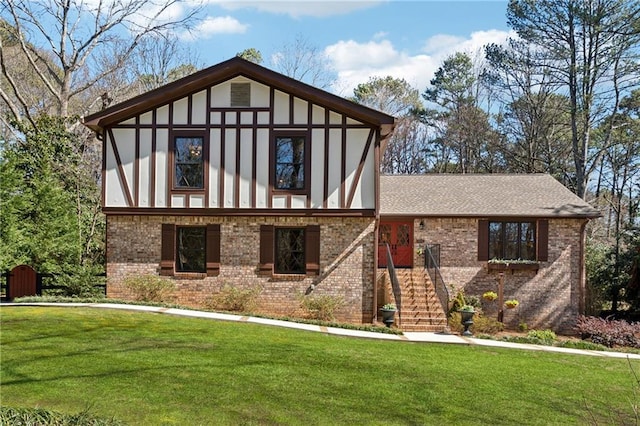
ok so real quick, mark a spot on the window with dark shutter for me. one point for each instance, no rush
(313, 249)
(289, 250)
(513, 240)
(213, 249)
(483, 240)
(543, 241)
(266, 250)
(168, 244)
(190, 249)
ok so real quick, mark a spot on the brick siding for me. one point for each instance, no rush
(549, 298)
(346, 262)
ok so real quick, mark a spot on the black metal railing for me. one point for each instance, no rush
(395, 285)
(432, 265)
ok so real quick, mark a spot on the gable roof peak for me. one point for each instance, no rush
(224, 71)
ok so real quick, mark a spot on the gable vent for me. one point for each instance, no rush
(240, 94)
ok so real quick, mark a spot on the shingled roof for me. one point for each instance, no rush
(480, 195)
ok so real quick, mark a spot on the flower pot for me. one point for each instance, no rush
(388, 316)
(466, 319)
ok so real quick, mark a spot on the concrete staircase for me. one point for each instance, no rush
(421, 309)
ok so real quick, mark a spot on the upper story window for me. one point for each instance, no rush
(512, 240)
(290, 163)
(188, 162)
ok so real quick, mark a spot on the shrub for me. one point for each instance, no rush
(481, 324)
(84, 282)
(489, 325)
(609, 333)
(235, 299)
(149, 288)
(321, 307)
(546, 337)
(39, 416)
(582, 344)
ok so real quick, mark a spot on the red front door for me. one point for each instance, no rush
(399, 236)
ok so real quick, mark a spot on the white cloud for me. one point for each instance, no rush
(298, 8)
(356, 62)
(215, 25)
(444, 45)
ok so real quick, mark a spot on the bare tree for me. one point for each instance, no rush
(160, 60)
(407, 149)
(70, 45)
(304, 61)
(534, 118)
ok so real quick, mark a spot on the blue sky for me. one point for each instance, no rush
(404, 39)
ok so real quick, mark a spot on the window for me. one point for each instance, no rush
(290, 162)
(190, 249)
(289, 250)
(189, 162)
(512, 240)
(290, 257)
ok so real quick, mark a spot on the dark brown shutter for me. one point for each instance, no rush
(168, 249)
(543, 240)
(483, 240)
(266, 250)
(312, 249)
(213, 249)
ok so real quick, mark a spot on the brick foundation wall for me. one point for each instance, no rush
(346, 262)
(549, 298)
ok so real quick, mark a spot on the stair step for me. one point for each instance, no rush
(420, 307)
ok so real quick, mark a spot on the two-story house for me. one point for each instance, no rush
(237, 175)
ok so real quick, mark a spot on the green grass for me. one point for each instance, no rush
(144, 368)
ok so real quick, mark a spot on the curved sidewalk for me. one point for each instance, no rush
(416, 337)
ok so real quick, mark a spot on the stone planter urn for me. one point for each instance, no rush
(466, 319)
(388, 314)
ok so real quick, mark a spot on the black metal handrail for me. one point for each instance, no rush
(432, 265)
(395, 285)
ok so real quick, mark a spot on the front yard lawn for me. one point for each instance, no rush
(144, 368)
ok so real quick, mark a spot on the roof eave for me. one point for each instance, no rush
(227, 70)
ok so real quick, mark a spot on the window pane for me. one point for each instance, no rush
(527, 241)
(511, 240)
(191, 250)
(188, 162)
(495, 240)
(290, 257)
(289, 163)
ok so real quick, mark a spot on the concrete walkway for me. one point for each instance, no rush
(416, 337)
